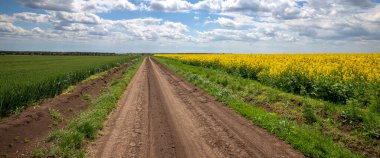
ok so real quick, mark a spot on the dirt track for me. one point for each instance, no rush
(162, 115)
(20, 134)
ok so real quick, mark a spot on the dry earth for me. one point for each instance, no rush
(163, 115)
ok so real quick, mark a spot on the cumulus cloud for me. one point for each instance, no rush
(98, 6)
(233, 20)
(5, 18)
(85, 26)
(227, 22)
(169, 5)
(57, 5)
(93, 6)
(290, 21)
(245, 21)
(73, 27)
(279, 8)
(67, 17)
(32, 17)
(357, 3)
(148, 28)
(372, 15)
(248, 36)
(222, 35)
(10, 28)
(37, 30)
(285, 36)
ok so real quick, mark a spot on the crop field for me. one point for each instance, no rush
(308, 100)
(336, 78)
(321, 105)
(26, 79)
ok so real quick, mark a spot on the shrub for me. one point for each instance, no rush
(309, 114)
(352, 114)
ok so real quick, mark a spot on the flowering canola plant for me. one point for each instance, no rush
(337, 69)
(344, 67)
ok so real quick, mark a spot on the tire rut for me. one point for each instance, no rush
(163, 115)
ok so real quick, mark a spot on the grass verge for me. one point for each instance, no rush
(307, 138)
(94, 76)
(70, 141)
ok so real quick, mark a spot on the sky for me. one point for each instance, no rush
(191, 26)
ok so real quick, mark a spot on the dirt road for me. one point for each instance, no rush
(162, 115)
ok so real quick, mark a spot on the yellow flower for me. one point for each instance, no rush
(342, 67)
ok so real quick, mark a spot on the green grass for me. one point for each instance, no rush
(94, 76)
(27, 79)
(330, 89)
(87, 97)
(298, 120)
(56, 117)
(70, 141)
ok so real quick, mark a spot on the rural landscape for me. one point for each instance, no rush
(190, 79)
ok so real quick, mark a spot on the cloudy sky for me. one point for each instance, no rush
(226, 26)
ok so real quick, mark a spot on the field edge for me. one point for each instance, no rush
(313, 144)
(72, 140)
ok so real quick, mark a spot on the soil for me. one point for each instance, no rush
(163, 115)
(21, 133)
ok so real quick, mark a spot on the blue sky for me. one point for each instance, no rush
(186, 26)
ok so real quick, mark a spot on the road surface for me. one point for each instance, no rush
(162, 115)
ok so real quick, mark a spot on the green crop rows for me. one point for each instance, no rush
(27, 79)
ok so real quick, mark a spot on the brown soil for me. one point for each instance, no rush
(163, 115)
(20, 134)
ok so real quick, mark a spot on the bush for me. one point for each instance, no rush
(309, 114)
(375, 101)
(352, 114)
(371, 126)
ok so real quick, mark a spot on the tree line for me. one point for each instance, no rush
(56, 53)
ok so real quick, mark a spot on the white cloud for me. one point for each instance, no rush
(74, 27)
(148, 28)
(93, 6)
(279, 8)
(372, 15)
(169, 5)
(248, 21)
(227, 22)
(227, 35)
(10, 28)
(87, 26)
(357, 3)
(333, 3)
(67, 17)
(285, 36)
(37, 30)
(233, 20)
(32, 17)
(6, 18)
(57, 5)
(221, 34)
(212, 5)
(247, 36)
(98, 6)
(176, 26)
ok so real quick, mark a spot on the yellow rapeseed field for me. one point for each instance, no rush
(332, 77)
(339, 67)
